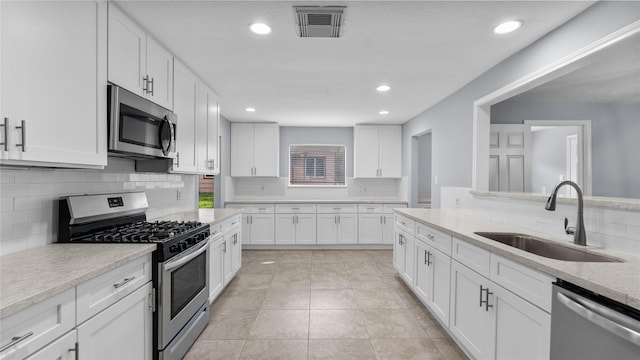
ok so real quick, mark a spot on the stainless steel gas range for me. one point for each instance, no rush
(181, 261)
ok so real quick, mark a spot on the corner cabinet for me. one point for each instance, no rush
(53, 76)
(378, 151)
(137, 62)
(255, 149)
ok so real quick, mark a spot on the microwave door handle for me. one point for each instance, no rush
(171, 265)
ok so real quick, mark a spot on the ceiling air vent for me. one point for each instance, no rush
(319, 21)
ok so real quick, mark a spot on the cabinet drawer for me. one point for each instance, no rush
(215, 229)
(97, 294)
(257, 208)
(406, 224)
(532, 285)
(38, 325)
(388, 208)
(296, 208)
(231, 223)
(472, 256)
(435, 238)
(337, 208)
(369, 208)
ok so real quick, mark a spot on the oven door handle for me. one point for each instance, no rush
(591, 311)
(169, 266)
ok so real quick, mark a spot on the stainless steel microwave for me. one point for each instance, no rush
(138, 128)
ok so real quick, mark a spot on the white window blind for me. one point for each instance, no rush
(317, 165)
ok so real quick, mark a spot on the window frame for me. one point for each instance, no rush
(343, 185)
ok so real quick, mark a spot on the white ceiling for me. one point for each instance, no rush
(425, 50)
(612, 76)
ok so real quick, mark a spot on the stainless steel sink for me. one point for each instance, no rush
(545, 248)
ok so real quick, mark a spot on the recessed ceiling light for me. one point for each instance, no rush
(383, 88)
(383, 112)
(507, 27)
(250, 109)
(260, 28)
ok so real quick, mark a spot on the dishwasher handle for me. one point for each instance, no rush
(595, 313)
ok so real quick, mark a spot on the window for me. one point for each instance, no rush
(206, 186)
(322, 165)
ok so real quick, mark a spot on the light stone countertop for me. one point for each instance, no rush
(589, 201)
(314, 201)
(618, 281)
(30, 276)
(210, 216)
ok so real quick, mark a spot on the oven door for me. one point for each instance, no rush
(139, 127)
(184, 288)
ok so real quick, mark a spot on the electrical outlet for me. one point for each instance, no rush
(457, 202)
(179, 194)
(435, 180)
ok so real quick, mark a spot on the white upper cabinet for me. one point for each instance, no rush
(53, 75)
(137, 62)
(255, 149)
(185, 108)
(207, 131)
(378, 151)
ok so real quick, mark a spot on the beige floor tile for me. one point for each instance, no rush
(291, 280)
(251, 281)
(378, 298)
(449, 349)
(385, 267)
(275, 350)
(230, 325)
(382, 256)
(287, 299)
(258, 267)
(281, 324)
(362, 267)
(367, 281)
(337, 324)
(215, 350)
(319, 256)
(333, 299)
(330, 281)
(294, 267)
(406, 349)
(341, 350)
(356, 256)
(240, 299)
(296, 256)
(333, 268)
(408, 298)
(392, 324)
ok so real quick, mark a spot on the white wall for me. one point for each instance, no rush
(29, 207)
(451, 120)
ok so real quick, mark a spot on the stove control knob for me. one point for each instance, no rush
(192, 240)
(184, 246)
(174, 248)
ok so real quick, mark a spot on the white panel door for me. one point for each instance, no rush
(185, 105)
(122, 331)
(409, 260)
(370, 228)
(127, 52)
(246, 228)
(306, 229)
(53, 78)
(285, 229)
(236, 250)
(327, 232)
(387, 229)
(390, 151)
(216, 267)
(439, 284)
(160, 74)
(398, 251)
(262, 229)
(423, 274)
(62, 349)
(242, 149)
(207, 131)
(266, 149)
(366, 152)
(348, 229)
(510, 158)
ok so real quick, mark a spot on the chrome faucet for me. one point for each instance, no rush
(578, 232)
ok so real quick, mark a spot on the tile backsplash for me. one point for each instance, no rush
(29, 210)
(607, 227)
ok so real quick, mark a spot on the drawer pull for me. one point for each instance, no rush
(337, 209)
(15, 340)
(295, 208)
(124, 282)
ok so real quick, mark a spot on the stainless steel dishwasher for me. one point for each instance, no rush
(588, 326)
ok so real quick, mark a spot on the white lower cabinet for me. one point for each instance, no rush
(493, 323)
(216, 266)
(258, 229)
(232, 252)
(337, 229)
(404, 256)
(296, 229)
(122, 331)
(432, 279)
(225, 255)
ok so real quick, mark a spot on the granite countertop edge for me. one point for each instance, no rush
(599, 277)
(314, 201)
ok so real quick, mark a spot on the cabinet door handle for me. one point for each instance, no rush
(145, 84)
(177, 159)
(400, 239)
(76, 350)
(486, 301)
(385, 219)
(15, 340)
(251, 219)
(151, 82)
(429, 258)
(224, 250)
(336, 209)
(380, 172)
(338, 219)
(124, 282)
(6, 134)
(23, 127)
